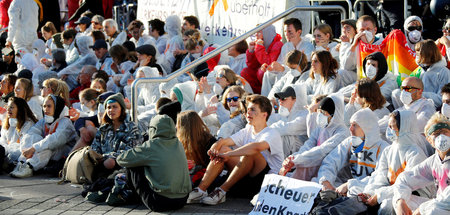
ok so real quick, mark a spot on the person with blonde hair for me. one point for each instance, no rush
(24, 89)
(324, 40)
(56, 87)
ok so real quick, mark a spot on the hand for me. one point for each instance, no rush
(206, 87)
(115, 68)
(444, 40)
(46, 62)
(344, 38)
(372, 201)
(342, 190)
(144, 62)
(274, 103)
(74, 114)
(209, 110)
(356, 40)
(136, 65)
(223, 157)
(401, 208)
(214, 100)
(338, 46)
(251, 46)
(327, 186)
(416, 212)
(28, 153)
(276, 67)
(353, 97)
(286, 166)
(213, 152)
(265, 67)
(8, 44)
(260, 42)
(127, 103)
(312, 108)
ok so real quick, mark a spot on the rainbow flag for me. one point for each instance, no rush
(400, 58)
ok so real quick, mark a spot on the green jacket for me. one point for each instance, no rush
(164, 159)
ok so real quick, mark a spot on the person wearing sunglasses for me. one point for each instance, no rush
(413, 27)
(443, 42)
(8, 65)
(433, 171)
(96, 22)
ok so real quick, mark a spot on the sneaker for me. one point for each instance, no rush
(216, 197)
(196, 195)
(16, 169)
(96, 197)
(24, 172)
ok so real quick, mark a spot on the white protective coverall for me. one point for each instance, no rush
(238, 63)
(23, 24)
(321, 141)
(319, 87)
(10, 140)
(232, 126)
(402, 155)
(148, 93)
(30, 62)
(39, 49)
(187, 91)
(173, 29)
(362, 163)
(35, 104)
(292, 76)
(292, 128)
(432, 171)
(351, 109)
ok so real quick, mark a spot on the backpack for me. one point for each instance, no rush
(79, 166)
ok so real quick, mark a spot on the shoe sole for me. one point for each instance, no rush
(195, 201)
(222, 200)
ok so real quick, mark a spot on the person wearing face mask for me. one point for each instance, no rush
(16, 126)
(361, 152)
(68, 42)
(290, 121)
(174, 42)
(51, 138)
(433, 171)
(195, 46)
(445, 92)
(39, 49)
(326, 130)
(185, 94)
(413, 30)
(229, 107)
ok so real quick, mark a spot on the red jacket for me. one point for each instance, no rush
(4, 19)
(255, 59)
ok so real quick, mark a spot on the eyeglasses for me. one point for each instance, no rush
(236, 98)
(409, 89)
(220, 75)
(412, 28)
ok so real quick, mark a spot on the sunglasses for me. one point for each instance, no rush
(412, 28)
(220, 75)
(409, 89)
(236, 98)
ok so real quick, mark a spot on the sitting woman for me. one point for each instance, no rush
(195, 46)
(323, 78)
(51, 138)
(148, 93)
(324, 40)
(366, 94)
(14, 128)
(24, 90)
(116, 135)
(99, 85)
(196, 140)
(56, 87)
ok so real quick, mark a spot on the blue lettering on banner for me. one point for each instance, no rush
(223, 31)
(251, 8)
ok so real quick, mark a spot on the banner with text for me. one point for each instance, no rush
(284, 195)
(221, 20)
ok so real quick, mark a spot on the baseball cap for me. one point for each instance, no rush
(286, 92)
(350, 22)
(146, 49)
(7, 51)
(99, 44)
(83, 20)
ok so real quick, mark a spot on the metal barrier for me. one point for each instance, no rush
(349, 3)
(357, 2)
(224, 47)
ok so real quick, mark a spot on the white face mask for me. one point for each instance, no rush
(65, 46)
(371, 71)
(35, 52)
(414, 36)
(445, 110)
(12, 122)
(322, 120)
(85, 108)
(357, 105)
(357, 144)
(233, 109)
(441, 143)
(417, 59)
(196, 55)
(369, 36)
(217, 89)
(391, 135)
(49, 119)
(317, 76)
(283, 111)
(405, 97)
(17, 60)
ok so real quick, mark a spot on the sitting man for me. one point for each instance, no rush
(257, 152)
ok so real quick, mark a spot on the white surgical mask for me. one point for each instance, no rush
(322, 120)
(283, 111)
(405, 97)
(417, 59)
(391, 135)
(441, 143)
(85, 108)
(217, 89)
(357, 145)
(233, 109)
(12, 122)
(445, 110)
(196, 55)
(371, 71)
(414, 36)
(357, 105)
(49, 119)
(369, 36)
(17, 60)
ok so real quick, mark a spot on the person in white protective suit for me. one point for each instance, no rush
(413, 27)
(375, 67)
(184, 93)
(148, 93)
(323, 78)
(38, 47)
(297, 72)
(238, 57)
(348, 32)
(432, 71)
(231, 112)
(361, 152)
(445, 109)
(292, 32)
(24, 19)
(290, 121)
(68, 39)
(433, 171)
(50, 138)
(411, 96)
(173, 29)
(87, 57)
(326, 130)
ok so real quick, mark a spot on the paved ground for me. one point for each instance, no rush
(42, 195)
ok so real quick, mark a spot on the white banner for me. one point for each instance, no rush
(221, 20)
(284, 195)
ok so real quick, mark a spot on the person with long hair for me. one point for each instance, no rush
(56, 87)
(24, 90)
(324, 40)
(323, 78)
(14, 127)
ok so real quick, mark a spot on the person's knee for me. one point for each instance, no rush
(109, 163)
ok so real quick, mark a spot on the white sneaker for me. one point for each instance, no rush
(24, 172)
(17, 169)
(217, 196)
(196, 195)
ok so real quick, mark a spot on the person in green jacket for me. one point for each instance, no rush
(158, 168)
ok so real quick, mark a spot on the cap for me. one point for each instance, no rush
(25, 73)
(286, 92)
(7, 51)
(98, 19)
(83, 20)
(99, 44)
(350, 22)
(327, 104)
(146, 49)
